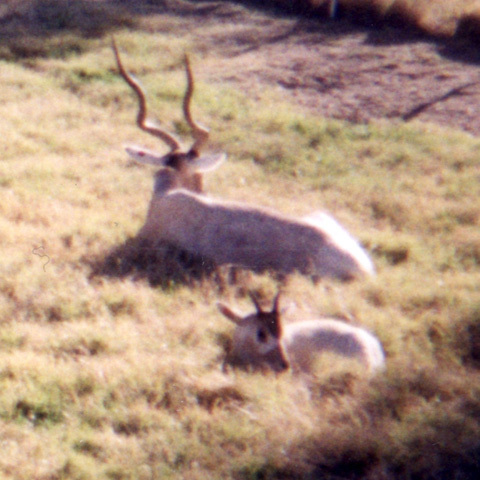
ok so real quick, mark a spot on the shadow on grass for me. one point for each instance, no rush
(55, 28)
(167, 266)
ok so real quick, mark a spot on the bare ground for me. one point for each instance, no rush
(333, 68)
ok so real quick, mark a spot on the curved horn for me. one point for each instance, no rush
(200, 134)
(255, 302)
(154, 130)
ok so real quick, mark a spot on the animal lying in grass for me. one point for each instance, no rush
(261, 340)
(231, 233)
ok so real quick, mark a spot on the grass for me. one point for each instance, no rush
(111, 356)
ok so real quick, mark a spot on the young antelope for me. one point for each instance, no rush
(261, 340)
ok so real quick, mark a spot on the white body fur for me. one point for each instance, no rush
(254, 237)
(304, 341)
(260, 339)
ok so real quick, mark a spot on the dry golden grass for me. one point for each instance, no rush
(111, 357)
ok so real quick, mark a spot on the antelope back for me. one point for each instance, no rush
(306, 340)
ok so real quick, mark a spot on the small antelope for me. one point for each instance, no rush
(260, 340)
(227, 232)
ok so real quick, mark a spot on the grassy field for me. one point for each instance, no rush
(110, 371)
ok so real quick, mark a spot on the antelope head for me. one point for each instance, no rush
(257, 340)
(181, 167)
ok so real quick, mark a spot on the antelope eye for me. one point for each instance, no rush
(261, 335)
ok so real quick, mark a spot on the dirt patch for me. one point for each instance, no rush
(336, 69)
(332, 68)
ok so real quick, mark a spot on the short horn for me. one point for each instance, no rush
(276, 301)
(255, 302)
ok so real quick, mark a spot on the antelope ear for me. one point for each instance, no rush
(229, 313)
(148, 157)
(208, 162)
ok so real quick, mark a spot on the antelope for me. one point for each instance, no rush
(226, 232)
(261, 340)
